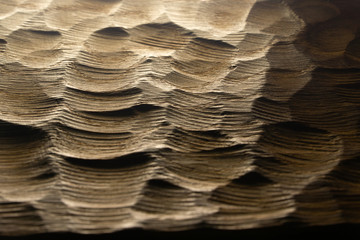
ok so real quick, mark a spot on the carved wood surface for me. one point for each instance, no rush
(172, 115)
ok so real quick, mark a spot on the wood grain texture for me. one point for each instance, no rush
(173, 115)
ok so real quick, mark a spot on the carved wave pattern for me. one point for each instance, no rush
(168, 115)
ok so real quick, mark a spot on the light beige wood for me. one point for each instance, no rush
(173, 115)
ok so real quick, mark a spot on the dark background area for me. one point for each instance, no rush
(291, 232)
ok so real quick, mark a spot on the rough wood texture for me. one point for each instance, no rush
(172, 115)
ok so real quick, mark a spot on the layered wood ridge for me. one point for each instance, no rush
(172, 115)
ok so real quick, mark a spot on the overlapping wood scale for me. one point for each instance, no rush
(171, 115)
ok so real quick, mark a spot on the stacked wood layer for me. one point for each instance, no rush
(173, 115)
